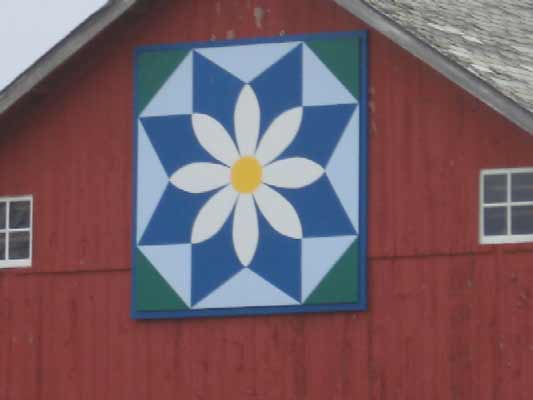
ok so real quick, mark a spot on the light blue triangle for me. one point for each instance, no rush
(319, 256)
(173, 262)
(248, 61)
(246, 289)
(343, 170)
(152, 181)
(320, 86)
(175, 96)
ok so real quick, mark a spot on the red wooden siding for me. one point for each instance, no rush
(448, 319)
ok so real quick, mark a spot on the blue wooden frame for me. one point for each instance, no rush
(362, 304)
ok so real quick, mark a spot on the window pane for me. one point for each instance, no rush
(495, 221)
(522, 220)
(2, 246)
(19, 245)
(495, 188)
(522, 186)
(19, 214)
(2, 215)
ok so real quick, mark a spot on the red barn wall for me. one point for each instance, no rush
(448, 318)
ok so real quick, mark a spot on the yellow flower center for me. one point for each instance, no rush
(246, 174)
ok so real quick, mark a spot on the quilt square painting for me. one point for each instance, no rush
(250, 177)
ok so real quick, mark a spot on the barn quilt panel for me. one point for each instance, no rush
(250, 177)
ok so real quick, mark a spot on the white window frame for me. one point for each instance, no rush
(509, 237)
(23, 263)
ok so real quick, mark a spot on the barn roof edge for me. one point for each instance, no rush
(102, 18)
(62, 51)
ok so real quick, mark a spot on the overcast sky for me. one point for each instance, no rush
(28, 28)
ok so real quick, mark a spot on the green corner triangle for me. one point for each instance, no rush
(341, 284)
(153, 292)
(153, 69)
(341, 56)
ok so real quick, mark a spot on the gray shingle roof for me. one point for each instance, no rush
(493, 39)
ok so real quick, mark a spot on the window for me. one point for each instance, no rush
(506, 212)
(15, 231)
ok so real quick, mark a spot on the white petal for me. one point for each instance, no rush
(247, 117)
(201, 177)
(213, 214)
(279, 135)
(292, 173)
(245, 229)
(214, 138)
(278, 212)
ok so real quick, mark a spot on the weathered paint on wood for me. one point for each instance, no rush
(448, 319)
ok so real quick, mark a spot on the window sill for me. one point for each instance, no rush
(506, 239)
(15, 264)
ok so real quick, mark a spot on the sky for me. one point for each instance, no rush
(28, 28)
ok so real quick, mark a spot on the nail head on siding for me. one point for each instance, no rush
(259, 14)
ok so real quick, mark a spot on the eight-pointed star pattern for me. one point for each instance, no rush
(217, 243)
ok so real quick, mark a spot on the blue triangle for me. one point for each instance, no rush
(151, 181)
(343, 170)
(319, 255)
(320, 86)
(175, 96)
(248, 61)
(246, 289)
(173, 262)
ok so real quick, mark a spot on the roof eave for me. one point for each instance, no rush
(115, 8)
(454, 72)
(61, 52)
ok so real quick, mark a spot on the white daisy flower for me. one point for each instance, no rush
(245, 177)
